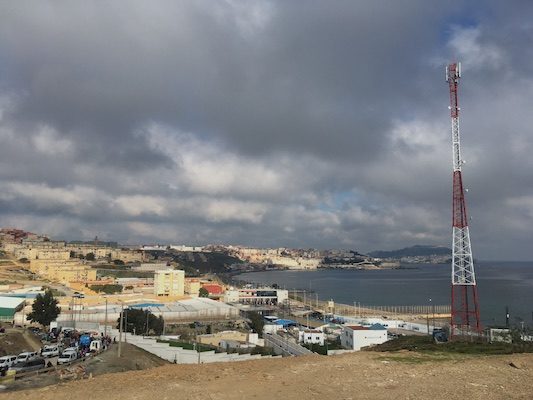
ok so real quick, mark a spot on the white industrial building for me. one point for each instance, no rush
(197, 309)
(355, 337)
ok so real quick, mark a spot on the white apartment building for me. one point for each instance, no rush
(169, 282)
(355, 337)
(295, 262)
(192, 249)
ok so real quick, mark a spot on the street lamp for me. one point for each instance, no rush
(433, 311)
(105, 322)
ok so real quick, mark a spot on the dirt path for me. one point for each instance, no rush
(352, 376)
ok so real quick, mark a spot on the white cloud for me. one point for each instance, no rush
(469, 48)
(137, 205)
(48, 141)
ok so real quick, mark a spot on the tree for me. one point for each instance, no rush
(203, 292)
(118, 262)
(44, 309)
(141, 322)
(89, 257)
(256, 322)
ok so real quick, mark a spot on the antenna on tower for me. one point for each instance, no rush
(465, 309)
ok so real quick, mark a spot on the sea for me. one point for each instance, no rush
(501, 285)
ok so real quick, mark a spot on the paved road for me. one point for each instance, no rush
(286, 346)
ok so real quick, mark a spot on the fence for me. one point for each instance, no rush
(312, 302)
(363, 309)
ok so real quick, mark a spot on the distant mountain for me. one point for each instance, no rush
(413, 251)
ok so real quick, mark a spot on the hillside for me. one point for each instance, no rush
(364, 375)
(204, 262)
(413, 251)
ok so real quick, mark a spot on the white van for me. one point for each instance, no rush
(50, 351)
(67, 357)
(95, 346)
(7, 361)
(23, 357)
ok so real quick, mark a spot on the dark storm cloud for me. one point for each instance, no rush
(269, 123)
(317, 78)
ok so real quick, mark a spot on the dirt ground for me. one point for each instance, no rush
(17, 340)
(363, 375)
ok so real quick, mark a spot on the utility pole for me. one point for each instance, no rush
(433, 310)
(120, 331)
(73, 313)
(427, 320)
(147, 315)
(105, 323)
(507, 316)
(79, 311)
(126, 326)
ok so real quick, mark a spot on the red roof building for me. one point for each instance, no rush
(214, 289)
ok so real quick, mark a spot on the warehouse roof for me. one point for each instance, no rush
(10, 302)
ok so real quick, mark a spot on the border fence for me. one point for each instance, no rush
(358, 309)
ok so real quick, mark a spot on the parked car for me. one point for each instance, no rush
(67, 357)
(26, 356)
(32, 364)
(70, 350)
(50, 351)
(7, 361)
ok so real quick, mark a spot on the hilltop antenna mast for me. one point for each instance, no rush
(465, 309)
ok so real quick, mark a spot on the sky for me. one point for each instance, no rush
(319, 124)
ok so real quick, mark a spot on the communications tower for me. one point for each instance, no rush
(465, 309)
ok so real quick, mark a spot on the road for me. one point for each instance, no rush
(285, 346)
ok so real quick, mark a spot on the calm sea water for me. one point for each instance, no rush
(500, 284)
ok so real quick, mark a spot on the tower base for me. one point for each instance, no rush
(465, 311)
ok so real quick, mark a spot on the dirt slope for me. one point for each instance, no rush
(352, 376)
(17, 340)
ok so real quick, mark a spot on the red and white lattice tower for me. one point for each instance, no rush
(465, 310)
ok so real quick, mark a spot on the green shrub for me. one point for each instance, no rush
(108, 289)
